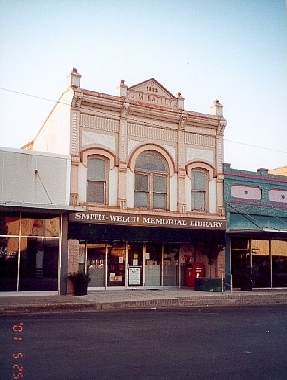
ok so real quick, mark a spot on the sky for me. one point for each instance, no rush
(231, 50)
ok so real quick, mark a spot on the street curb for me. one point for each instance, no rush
(206, 300)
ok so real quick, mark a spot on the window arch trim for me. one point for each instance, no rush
(86, 154)
(201, 166)
(156, 149)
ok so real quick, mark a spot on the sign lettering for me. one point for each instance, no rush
(152, 98)
(146, 220)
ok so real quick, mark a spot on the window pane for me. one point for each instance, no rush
(197, 201)
(9, 223)
(141, 182)
(36, 225)
(151, 162)
(141, 199)
(39, 264)
(96, 169)
(96, 192)
(159, 201)
(159, 184)
(199, 182)
(9, 250)
(279, 263)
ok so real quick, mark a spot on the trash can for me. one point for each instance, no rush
(208, 284)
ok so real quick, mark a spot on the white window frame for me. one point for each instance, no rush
(150, 187)
(202, 191)
(104, 181)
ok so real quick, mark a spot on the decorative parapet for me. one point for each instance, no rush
(73, 79)
(256, 194)
(153, 93)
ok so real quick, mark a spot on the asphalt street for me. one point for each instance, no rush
(188, 343)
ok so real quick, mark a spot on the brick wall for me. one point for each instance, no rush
(73, 266)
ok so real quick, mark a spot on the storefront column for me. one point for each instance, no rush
(228, 276)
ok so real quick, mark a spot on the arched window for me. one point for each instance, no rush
(97, 185)
(198, 190)
(151, 175)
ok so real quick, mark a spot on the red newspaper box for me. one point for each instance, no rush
(189, 277)
(196, 271)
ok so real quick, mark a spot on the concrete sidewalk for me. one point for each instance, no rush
(136, 299)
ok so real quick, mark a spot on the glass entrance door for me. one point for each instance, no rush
(116, 265)
(279, 263)
(135, 264)
(261, 269)
(96, 264)
(170, 265)
(240, 260)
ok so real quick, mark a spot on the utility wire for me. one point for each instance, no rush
(256, 146)
(33, 96)
(201, 134)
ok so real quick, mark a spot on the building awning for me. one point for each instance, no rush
(120, 233)
(39, 208)
(260, 233)
(257, 222)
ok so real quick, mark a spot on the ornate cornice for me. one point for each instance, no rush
(77, 99)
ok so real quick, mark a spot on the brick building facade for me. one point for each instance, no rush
(149, 175)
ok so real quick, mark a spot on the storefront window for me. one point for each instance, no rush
(46, 227)
(9, 251)
(9, 223)
(37, 243)
(153, 264)
(264, 261)
(39, 264)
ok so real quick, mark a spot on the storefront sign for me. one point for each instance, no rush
(146, 220)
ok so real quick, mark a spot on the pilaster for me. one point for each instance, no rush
(122, 148)
(181, 164)
(219, 166)
(74, 192)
